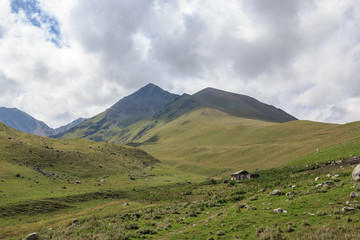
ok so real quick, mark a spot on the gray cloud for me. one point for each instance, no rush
(301, 56)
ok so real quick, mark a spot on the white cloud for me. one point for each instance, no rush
(302, 56)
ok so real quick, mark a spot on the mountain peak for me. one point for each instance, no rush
(240, 105)
(143, 103)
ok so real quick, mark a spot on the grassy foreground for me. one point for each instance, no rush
(234, 210)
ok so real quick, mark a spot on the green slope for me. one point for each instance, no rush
(75, 157)
(211, 142)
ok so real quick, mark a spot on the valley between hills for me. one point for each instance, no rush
(157, 165)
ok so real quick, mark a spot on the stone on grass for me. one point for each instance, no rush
(317, 179)
(280, 210)
(356, 173)
(33, 236)
(276, 192)
(347, 209)
(289, 194)
(75, 221)
(354, 194)
(335, 176)
(327, 184)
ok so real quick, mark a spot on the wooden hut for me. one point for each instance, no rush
(242, 175)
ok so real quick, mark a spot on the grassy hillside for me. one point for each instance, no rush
(211, 142)
(75, 157)
(43, 179)
(124, 199)
(235, 210)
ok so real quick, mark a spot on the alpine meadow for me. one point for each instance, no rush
(179, 120)
(164, 173)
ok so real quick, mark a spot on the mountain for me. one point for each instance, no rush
(133, 108)
(234, 104)
(23, 122)
(68, 126)
(241, 106)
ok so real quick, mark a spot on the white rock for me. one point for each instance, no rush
(317, 179)
(280, 210)
(335, 176)
(356, 173)
(33, 236)
(276, 192)
(354, 194)
(347, 209)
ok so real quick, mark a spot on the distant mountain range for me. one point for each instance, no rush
(149, 102)
(152, 102)
(23, 122)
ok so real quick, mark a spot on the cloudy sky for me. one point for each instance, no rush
(60, 60)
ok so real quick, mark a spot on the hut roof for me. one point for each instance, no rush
(240, 172)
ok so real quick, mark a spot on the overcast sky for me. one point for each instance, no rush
(60, 60)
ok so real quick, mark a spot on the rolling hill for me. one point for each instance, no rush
(74, 157)
(211, 142)
(135, 107)
(23, 122)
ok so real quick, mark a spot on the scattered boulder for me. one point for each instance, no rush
(276, 192)
(75, 221)
(102, 180)
(289, 194)
(126, 204)
(327, 184)
(347, 209)
(354, 194)
(335, 176)
(77, 182)
(356, 173)
(280, 210)
(18, 175)
(317, 179)
(33, 236)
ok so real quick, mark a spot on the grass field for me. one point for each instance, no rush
(243, 210)
(124, 193)
(213, 143)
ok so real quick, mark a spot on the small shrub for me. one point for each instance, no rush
(146, 231)
(131, 226)
(306, 223)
